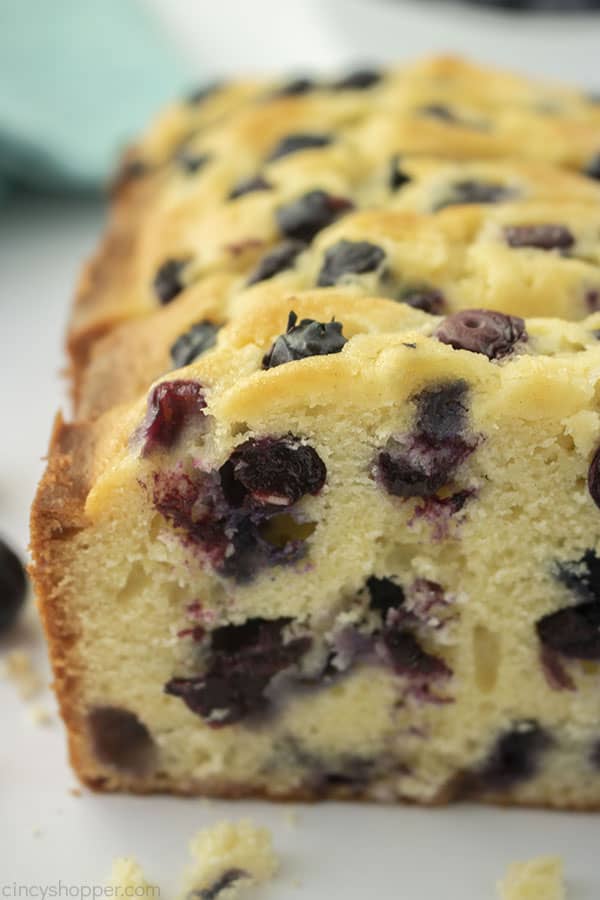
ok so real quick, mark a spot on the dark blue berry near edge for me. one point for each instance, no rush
(573, 632)
(309, 338)
(384, 595)
(427, 299)
(273, 471)
(249, 186)
(193, 343)
(540, 237)
(592, 170)
(243, 659)
(442, 410)
(407, 657)
(359, 80)
(222, 883)
(303, 218)
(168, 281)
(349, 258)
(470, 191)
(514, 759)
(594, 478)
(582, 576)
(13, 586)
(171, 406)
(485, 331)
(293, 143)
(295, 88)
(279, 259)
(120, 739)
(190, 161)
(397, 178)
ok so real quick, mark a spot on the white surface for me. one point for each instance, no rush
(336, 851)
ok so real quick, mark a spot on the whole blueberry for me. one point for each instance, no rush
(303, 218)
(193, 343)
(541, 237)
(120, 739)
(168, 281)
(385, 594)
(293, 143)
(573, 631)
(493, 334)
(427, 299)
(13, 586)
(594, 478)
(279, 259)
(273, 471)
(515, 758)
(349, 258)
(171, 406)
(309, 338)
(470, 191)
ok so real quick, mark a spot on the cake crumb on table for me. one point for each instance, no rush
(536, 879)
(127, 876)
(228, 858)
(19, 669)
(39, 715)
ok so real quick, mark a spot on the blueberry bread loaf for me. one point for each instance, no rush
(326, 522)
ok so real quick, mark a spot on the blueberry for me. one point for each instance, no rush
(13, 586)
(193, 343)
(427, 299)
(295, 87)
(280, 258)
(592, 170)
(248, 186)
(515, 757)
(397, 178)
(573, 631)
(293, 143)
(303, 218)
(274, 471)
(471, 191)
(582, 576)
(349, 258)
(407, 656)
(359, 80)
(199, 95)
(482, 331)
(414, 466)
(309, 338)
(385, 594)
(120, 739)
(190, 161)
(243, 659)
(222, 883)
(442, 410)
(168, 281)
(594, 478)
(171, 406)
(595, 756)
(542, 237)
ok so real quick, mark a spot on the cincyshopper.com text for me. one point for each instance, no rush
(11, 890)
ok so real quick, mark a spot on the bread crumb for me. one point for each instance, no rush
(536, 879)
(127, 878)
(18, 669)
(228, 858)
(39, 714)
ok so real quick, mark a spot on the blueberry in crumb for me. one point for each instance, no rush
(573, 631)
(515, 758)
(359, 80)
(594, 478)
(384, 595)
(171, 406)
(408, 657)
(279, 259)
(541, 237)
(13, 586)
(427, 299)
(295, 87)
(470, 191)
(168, 281)
(493, 334)
(582, 576)
(243, 659)
(222, 883)
(303, 218)
(249, 186)
(274, 471)
(309, 338)
(193, 343)
(442, 410)
(397, 178)
(191, 162)
(349, 258)
(293, 143)
(592, 170)
(120, 739)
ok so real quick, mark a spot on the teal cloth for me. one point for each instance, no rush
(78, 79)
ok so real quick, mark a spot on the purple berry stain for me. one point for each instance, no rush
(172, 405)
